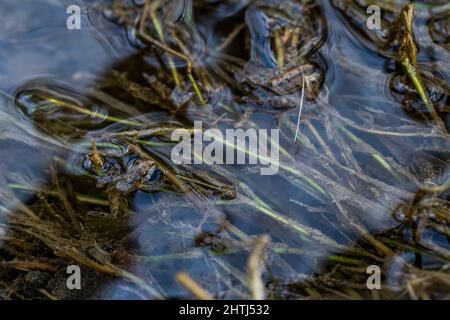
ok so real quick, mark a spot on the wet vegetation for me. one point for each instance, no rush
(86, 175)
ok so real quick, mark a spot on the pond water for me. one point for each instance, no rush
(86, 176)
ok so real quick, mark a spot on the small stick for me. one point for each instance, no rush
(279, 50)
(96, 158)
(48, 294)
(255, 281)
(230, 37)
(408, 55)
(438, 189)
(301, 107)
(192, 286)
(159, 30)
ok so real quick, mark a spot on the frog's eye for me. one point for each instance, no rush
(154, 176)
(89, 165)
(132, 161)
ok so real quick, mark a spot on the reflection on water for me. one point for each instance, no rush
(85, 170)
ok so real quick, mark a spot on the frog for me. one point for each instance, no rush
(284, 37)
(143, 174)
(283, 89)
(122, 173)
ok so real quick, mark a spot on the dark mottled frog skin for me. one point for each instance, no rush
(277, 89)
(138, 176)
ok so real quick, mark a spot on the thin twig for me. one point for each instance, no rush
(192, 286)
(301, 107)
(255, 281)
